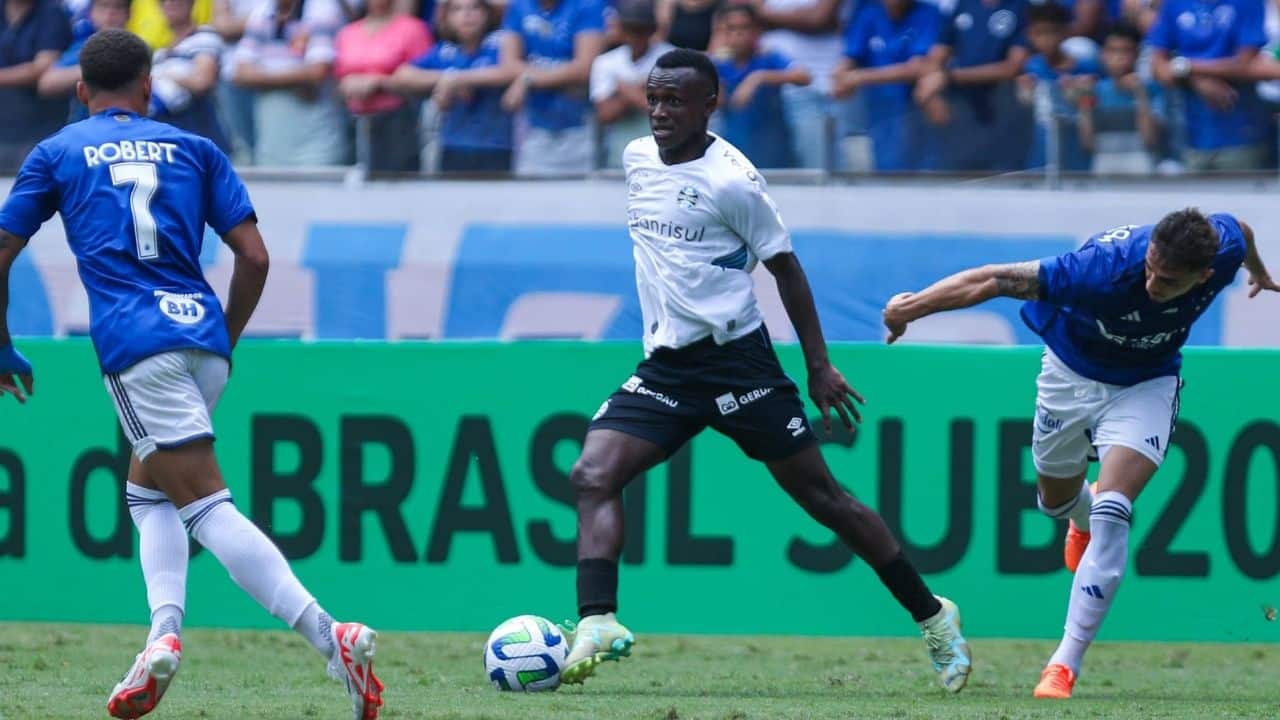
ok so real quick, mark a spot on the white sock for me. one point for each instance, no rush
(317, 627)
(1097, 579)
(1077, 509)
(163, 552)
(252, 560)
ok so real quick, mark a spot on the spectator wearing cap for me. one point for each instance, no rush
(551, 44)
(808, 32)
(60, 80)
(967, 91)
(463, 76)
(751, 113)
(618, 78)
(285, 59)
(1204, 50)
(885, 50)
(369, 51)
(33, 34)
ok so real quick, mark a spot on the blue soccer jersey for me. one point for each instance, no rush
(1094, 312)
(135, 196)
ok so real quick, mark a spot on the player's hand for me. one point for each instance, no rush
(15, 374)
(1261, 281)
(895, 316)
(829, 390)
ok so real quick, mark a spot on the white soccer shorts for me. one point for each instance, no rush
(165, 401)
(1075, 415)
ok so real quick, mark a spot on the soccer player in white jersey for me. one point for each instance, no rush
(135, 196)
(701, 218)
(1114, 315)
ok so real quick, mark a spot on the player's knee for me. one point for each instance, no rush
(592, 478)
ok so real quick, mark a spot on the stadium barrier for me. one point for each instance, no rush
(425, 486)
(512, 260)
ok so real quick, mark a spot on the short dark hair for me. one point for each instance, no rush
(113, 59)
(1186, 240)
(1048, 11)
(739, 9)
(694, 60)
(1126, 30)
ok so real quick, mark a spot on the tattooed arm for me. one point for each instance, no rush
(962, 290)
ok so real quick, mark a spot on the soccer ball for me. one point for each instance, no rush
(525, 653)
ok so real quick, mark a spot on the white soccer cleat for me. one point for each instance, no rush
(352, 664)
(947, 647)
(145, 683)
(595, 639)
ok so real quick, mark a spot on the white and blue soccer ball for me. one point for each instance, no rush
(526, 654)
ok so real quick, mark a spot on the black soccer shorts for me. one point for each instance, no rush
(738, 388)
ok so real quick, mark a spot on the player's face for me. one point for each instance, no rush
(680, 103)
(1165, 283)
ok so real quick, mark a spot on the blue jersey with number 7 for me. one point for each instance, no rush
(134, 196)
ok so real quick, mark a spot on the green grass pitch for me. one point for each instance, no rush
(65, 671)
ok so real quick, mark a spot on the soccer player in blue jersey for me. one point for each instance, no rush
(1114, 315)
(135, 196)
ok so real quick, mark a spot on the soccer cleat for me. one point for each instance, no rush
(947, 647)
(143, 686)
(1077, 543)
(1056, 682)
(352, 664)
(596, 639)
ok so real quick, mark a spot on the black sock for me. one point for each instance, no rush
(900, 576)
(597, 586)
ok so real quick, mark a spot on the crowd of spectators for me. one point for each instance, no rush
(547, 87)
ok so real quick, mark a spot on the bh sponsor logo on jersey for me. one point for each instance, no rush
(129, 151)
(185, 309)
(728, 403)
(667, 229)
(636, 385)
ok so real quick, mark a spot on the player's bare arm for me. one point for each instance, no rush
(964, 289)
(15, 371)
(248, 277)
(827, 387)
(1259, 276)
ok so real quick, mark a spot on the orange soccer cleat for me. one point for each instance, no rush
(141, 689)
(1077, 543)
(1056, 682)
(352, 664)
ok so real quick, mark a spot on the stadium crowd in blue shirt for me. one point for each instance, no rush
(918, 85)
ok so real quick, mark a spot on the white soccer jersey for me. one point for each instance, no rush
(698, 229)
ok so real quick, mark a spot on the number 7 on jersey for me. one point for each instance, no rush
(145, 181)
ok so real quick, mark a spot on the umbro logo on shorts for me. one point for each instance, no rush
(796, 426)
